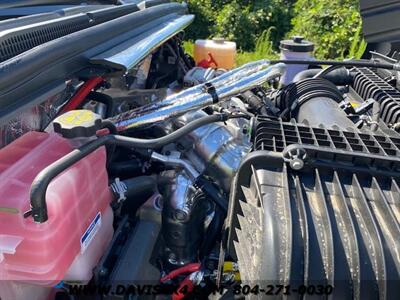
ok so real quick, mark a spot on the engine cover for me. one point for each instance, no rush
(312, 206)
(369, 85)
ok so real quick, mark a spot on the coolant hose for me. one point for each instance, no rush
(104, 99)
(213, 233)
(106, 124)
(43, 179)
(135, 190)
(126, 169)
(340, 76)
(82, 93)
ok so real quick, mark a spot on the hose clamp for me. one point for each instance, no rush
(119, 189)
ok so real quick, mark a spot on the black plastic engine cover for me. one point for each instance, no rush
(369, 85)
(312, 206)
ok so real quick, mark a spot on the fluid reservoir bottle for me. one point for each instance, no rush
(295, 49)
(78, 212)
(217, 52)
(68, 245)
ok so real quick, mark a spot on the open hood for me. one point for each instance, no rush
(381, 25)
(24, 3)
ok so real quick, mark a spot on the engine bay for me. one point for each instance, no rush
(143, 175)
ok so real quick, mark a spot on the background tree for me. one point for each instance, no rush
(242, 21)
(333, 25)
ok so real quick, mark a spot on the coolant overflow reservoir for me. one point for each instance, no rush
(294, 49)
(217, 52)
(70, 243)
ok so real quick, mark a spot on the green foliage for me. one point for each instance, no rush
(333, 25)
(188, 46)
(264, 49)
(204, 21)
(240, 20)
(358, 45)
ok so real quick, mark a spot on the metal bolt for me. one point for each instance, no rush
(297, 164)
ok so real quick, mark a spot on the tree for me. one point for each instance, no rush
(242, 21)
(333, 25)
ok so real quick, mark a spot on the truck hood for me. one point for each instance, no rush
(381, 25)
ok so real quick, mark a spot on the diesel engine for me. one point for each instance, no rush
(128, 171)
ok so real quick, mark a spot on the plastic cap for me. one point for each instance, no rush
(297, 44)
(77, 124)
(219, 40)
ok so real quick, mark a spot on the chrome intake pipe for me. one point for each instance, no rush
(224, 86)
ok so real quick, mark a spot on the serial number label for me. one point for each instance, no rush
(273, 290)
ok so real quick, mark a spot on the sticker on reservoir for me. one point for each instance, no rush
(90, 232)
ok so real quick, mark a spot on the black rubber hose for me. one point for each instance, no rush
(106, 124)
(137, 191)
(213, 193)
(102, 98)
(214, 232)
(348, 63)
(125, 169)
(254, 102)
(144, 185)
(135, 167)
(43, 179)
(110, 126)
(173, 137)
(340, 76)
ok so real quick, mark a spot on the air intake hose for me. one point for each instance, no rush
(341, 76)
(314, 101)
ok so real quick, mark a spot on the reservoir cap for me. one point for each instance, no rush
(77, 124)
(297, 44)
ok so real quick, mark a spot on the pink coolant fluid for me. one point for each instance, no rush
(79, 226)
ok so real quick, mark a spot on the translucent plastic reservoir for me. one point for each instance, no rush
(79, 224)
(223, 52)
(295, 49)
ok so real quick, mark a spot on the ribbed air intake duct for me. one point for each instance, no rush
(314, 101)
(299, 92)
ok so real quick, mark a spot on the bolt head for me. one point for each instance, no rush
(297, 164)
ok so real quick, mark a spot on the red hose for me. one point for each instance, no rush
(190, 268)
(82, 93)
(185, 289)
